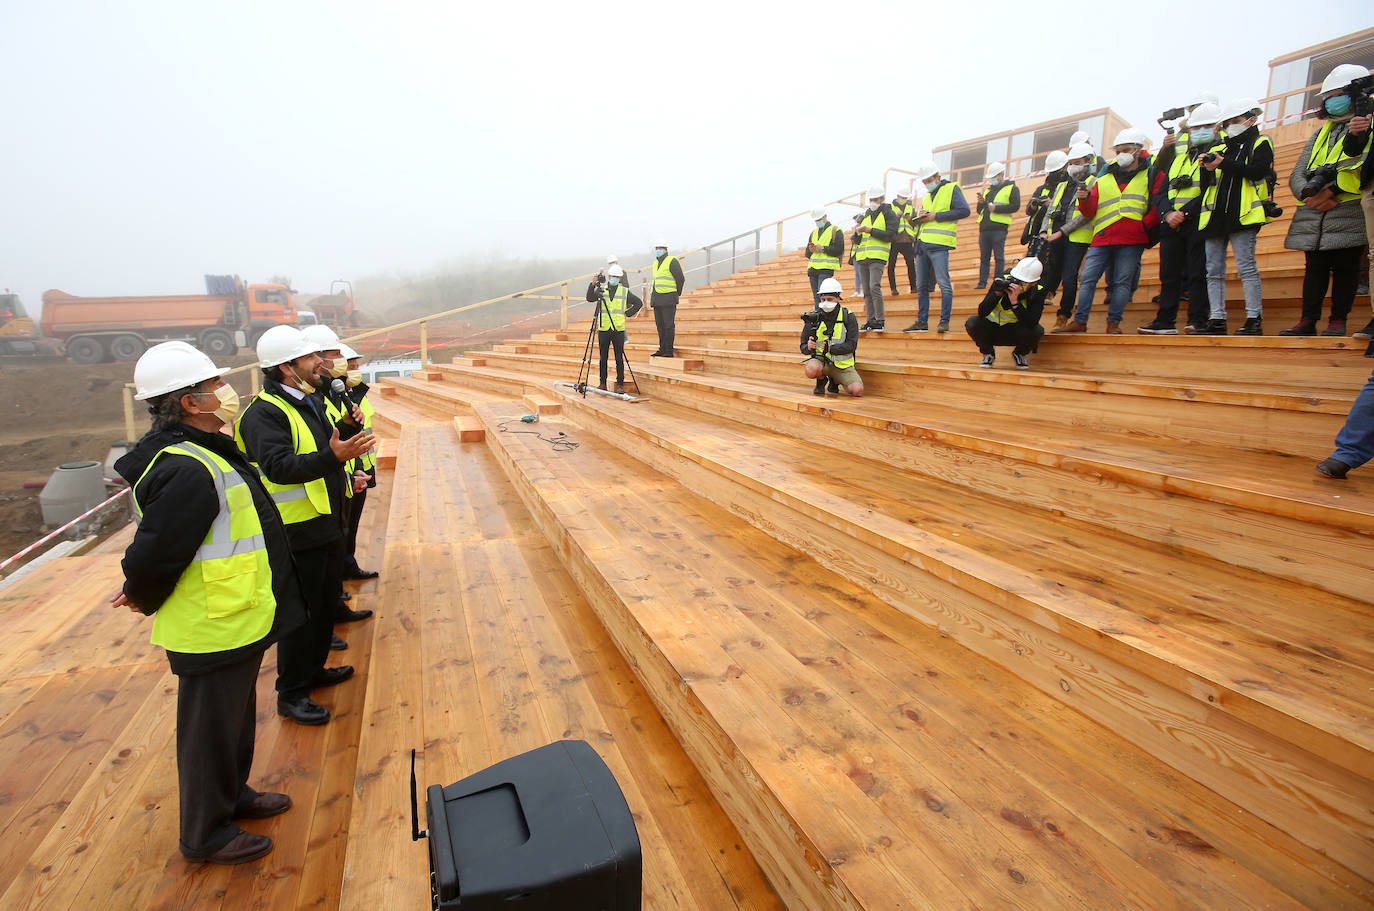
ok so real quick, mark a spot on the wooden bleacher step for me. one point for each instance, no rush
(683, 364)
(868, 760)
(542, 405)
(994, 575)
(470, 430)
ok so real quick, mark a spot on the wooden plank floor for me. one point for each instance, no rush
(486, 649)
(88, 817)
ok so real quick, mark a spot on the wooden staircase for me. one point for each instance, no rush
(1090, 635)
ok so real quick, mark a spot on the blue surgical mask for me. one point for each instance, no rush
(1338, 106)
(613, 282)
(932, 184)
(659, 254)
(1201, 135)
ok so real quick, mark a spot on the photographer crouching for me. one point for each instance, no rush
(1010, 315)
(830, 336)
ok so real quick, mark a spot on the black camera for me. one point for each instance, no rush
(1171, 114)
(1181, 182)
(1362, 96)
(999, 285)
(812, 319)
(1272, 209)
(1319, 179)
(1209, 157)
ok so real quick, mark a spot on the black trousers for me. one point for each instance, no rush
(1068, 275)
(987, 335)
(609, 337)
(1338, 268)
(354, 514)
(908, 251)
(1052, 258)
(665, 319)
(1183, 265)
(817, 276)
(216, 713)
(301, 653)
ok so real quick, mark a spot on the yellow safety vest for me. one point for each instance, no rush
(823, 335)
(369, 458)
(224, 599)
(1253, 193)
(1002, 197)
(1324, 151)
(1082, 234)
(613, 308)
(1114, 204)
(1185, 165)
(939, 233)
(869, 246)
(820, 259)
(335, 415)
(664, 283)
(296, 502)
(904, 227)
(1002, 314)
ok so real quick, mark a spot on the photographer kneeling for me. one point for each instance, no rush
(1010, 315)
(830, 335)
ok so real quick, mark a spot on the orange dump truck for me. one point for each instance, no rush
(232, 315)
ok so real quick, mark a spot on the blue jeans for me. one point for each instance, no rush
(1125, 263)
(1355, 442)
(932, 268)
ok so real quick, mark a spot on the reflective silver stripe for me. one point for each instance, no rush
(291, 493)
(951, 232)
(216, 550)
(220, 542)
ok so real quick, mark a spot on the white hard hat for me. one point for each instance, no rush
(877, 193)
(611, 260)
(1076, 138)
(1056, 160)
(900, 193)
(1205, 97)
(1028, 270)
(321, 336)
(996, 168)
(1205, 115)
(660, 243)
(281, 344)
(830, 286)
(926, 170)
(1239, 107)
(171, 366)
(818, 214)
(1131, 136)
(1081, 150)
(615, 272)
(348, 352)
(1340, 76)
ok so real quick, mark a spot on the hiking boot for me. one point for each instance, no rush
(917, 326)
(1072, 325)
(1020, 361)
(988, 360)
(1333, 468)
(1253, 326)
(1367, 331)
(1213, 327)
(832, 388)
(620, 388)
(1304, 327)
(1335, 327)
(1158, 327)
(943, 326)
(1113, 328)
(1060, 321)
(820, 386)
(601, 386)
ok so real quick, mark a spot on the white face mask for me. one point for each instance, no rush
(228, 403)
(1078, 171)
(1125, 159)
(874, 205)
(1235, 129)
(828, 305)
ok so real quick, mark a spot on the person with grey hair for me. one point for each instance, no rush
(211, 563)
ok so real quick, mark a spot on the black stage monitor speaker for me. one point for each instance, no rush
(548, 830)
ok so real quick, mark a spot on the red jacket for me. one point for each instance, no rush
(1123, 231)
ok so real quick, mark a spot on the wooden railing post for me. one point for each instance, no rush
(780, 238)
(130, 432)
(254, 382)
(424, 344)
(563, 312)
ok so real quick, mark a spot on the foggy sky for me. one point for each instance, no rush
(147, 143)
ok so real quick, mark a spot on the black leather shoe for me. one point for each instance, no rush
(303, 710)
(265, 805)
(343, 614)
(242, 848)
(357, 573)
(337, 645)
(1333, 468)
(346, 596)
(331, 675)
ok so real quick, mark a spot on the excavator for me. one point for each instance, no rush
(17, 332)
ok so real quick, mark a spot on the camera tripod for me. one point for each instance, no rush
(584, 370)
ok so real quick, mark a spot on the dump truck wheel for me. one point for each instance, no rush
(217, 343)
(126, 348)
(85, 349)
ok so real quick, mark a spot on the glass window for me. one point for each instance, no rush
(1094, 126)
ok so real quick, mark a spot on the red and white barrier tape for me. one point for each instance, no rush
(48, 537)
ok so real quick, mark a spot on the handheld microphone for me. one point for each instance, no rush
(341, 390)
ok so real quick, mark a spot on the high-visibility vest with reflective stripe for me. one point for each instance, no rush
(335, 413)
(1185, 165)
(1253, 194)
(1347, 166)
(1082, 234)
(1001, 198)
(369, 458)
(820, 259)
(224, 599)
(1002, 314)
(905, 228)
(823, 335)
(869, 246)
(613, 308)
(939, 233)
(296, 502)
(664, 283)
(1114, 203)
